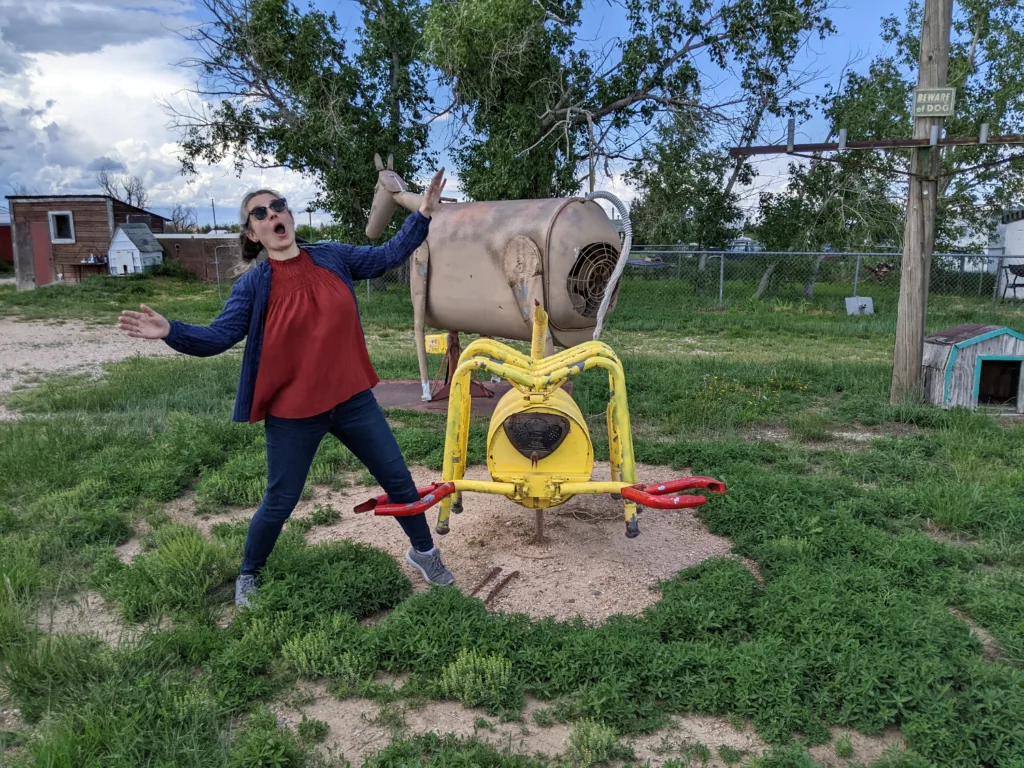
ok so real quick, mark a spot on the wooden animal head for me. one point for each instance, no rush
(391, 191)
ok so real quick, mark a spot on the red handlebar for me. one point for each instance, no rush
(429, 496)
(685, 484)
(658, 496)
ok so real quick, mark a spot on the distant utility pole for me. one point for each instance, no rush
(213, 205)
(922, 203)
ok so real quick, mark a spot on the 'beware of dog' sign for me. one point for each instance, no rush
(934, 102)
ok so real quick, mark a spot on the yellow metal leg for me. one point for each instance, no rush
(620, 441)
(614, 443)
(452, 442)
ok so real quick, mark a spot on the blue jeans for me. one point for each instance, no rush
(291, 445)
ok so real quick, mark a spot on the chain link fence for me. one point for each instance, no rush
(730, 278)
(725, 278)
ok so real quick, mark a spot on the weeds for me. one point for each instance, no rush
(312, 731)
(730, 755)
(324, 514)
(844, 747)
(592, 743)
(479, 680)
(850, 626)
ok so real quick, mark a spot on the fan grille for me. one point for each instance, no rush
(589, 277)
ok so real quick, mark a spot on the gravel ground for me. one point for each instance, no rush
(30, 350)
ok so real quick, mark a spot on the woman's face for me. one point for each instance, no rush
(277, 230)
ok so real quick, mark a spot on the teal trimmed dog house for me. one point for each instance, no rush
(972, 365)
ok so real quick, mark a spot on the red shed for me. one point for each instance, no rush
(58, 236)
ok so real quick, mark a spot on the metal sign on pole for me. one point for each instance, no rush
(859, 305)
(934, 102)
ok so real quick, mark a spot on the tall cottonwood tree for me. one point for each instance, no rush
(684, 191)
(280, 88)
(540, 106)
(986, 61)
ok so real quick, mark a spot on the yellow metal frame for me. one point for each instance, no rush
(536, 377)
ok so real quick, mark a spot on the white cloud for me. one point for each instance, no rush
(65, 115)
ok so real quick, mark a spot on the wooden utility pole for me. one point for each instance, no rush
(922, 200)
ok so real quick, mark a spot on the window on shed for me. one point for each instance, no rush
(1000, 380)
(62, 227)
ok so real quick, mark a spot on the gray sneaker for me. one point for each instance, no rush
(245, 587)
(431, 566)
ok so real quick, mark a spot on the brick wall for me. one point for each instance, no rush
(199, 253)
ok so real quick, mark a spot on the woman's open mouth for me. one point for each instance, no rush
(280, 230)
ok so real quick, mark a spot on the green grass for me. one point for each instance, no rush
(862, 552)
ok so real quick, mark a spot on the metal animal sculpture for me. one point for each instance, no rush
(485, 264)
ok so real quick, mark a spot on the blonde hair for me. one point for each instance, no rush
(252, 251)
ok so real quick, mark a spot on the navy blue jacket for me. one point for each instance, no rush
(245, 312)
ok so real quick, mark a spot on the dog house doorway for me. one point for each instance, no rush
(998, 381)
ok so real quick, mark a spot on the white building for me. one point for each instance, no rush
(132, 249)
(1009, 245)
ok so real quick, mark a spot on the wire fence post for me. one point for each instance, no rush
(856, 275)
(367, 290)
(216, 265)
(721, 279)
(995, 283)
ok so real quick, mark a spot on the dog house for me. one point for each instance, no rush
(972, 365)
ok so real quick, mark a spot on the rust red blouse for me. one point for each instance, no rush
(313, 354)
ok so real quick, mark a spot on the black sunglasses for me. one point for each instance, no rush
(277, 205)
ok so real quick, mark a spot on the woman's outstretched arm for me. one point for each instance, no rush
(227, 329)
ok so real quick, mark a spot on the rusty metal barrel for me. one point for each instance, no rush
(489, 260)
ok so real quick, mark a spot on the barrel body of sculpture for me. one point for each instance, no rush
(489, 262)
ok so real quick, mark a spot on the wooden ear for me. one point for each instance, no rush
(377, 162)
(391, 162)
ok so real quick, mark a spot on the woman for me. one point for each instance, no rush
(305, 371)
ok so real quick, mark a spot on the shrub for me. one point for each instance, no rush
(592, 743)
(337, 647)
(312, 731)
(479, 680)
(178, 577)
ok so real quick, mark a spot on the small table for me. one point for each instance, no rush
(1014, 279)
(81, 268)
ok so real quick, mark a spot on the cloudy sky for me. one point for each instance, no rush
(82, 82)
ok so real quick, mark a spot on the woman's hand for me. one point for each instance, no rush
(146, 324)
(432, 198)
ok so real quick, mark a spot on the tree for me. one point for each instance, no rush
(683, 192)
(539, 104)
(986, 59)
(287, 93)
(530, 103)
(121, 186)
(846, 204)
(184, 218)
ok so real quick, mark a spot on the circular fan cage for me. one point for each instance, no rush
(589, 277)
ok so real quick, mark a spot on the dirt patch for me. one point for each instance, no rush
(867, 434)
(866, 749)
(943, 536)
(358, 727)
(587, 567)
(30, 350)
(770, 434)
(991, 651)
(88, 614)
(848, 438)
(685, 733)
